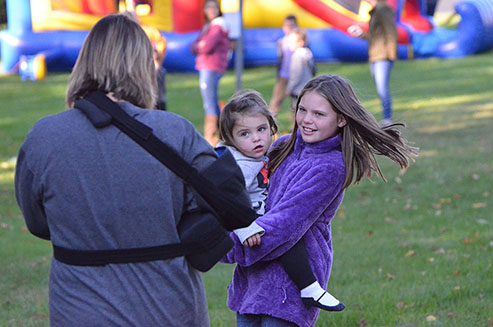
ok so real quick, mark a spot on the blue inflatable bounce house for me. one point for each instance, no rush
(46, 35)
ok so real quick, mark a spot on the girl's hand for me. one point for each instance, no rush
(252, 240)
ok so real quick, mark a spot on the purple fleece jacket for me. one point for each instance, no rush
(304, 194)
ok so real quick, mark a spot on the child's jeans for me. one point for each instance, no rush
(209, 84)
(247, 320)
(380, 71)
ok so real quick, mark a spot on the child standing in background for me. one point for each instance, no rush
(246, 129)
(284, 54)
(302, 67)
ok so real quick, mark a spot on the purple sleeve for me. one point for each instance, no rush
(286, 223)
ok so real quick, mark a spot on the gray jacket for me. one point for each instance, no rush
(92, 189)
(301, 70)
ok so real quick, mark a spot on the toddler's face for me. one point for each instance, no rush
(251, 135)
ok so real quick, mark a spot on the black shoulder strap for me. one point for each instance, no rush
(231, 214)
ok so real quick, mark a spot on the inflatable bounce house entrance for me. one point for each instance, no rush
(49, 33)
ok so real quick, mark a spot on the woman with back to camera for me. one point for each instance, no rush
(93, 189)
(211, 48)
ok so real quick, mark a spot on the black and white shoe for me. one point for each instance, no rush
(311, 302)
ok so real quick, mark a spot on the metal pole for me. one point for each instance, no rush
(239, 52)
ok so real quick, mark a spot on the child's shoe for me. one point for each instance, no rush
(325, 302)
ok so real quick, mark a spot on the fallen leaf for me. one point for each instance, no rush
(23, 229)
(410, 253)
(436, 205)
(447, 200)
(389, 220)
(362, 322)
(369, 233)
(4, 226)
(475, 176)
(398, 180)
(479, 205)
(40, 316)
(457, 272)
(457, 288)
(443, 230)
(451, 314)
(404, 245)
(431, 259)
(438, 213)
(486, 194)
(430, 318)
(390, 276)
(400, 305)
(440, 251)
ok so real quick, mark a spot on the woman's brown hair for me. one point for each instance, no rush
(116, 58)
(362, 137)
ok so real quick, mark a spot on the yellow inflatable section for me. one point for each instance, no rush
(55, 15)
(271, 13)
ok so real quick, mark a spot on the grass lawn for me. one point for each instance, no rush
(416, 251)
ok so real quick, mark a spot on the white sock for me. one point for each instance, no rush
(315, 291)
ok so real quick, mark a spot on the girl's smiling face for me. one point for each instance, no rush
(251, 135)
(316, 119)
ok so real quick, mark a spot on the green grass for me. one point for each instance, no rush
(416, 251)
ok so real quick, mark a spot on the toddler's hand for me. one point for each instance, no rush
(252, 240)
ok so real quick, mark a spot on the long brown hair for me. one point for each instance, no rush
(362, 137)
(116, 58)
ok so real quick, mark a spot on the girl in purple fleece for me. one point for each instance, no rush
(333, 144)
(246, 128)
